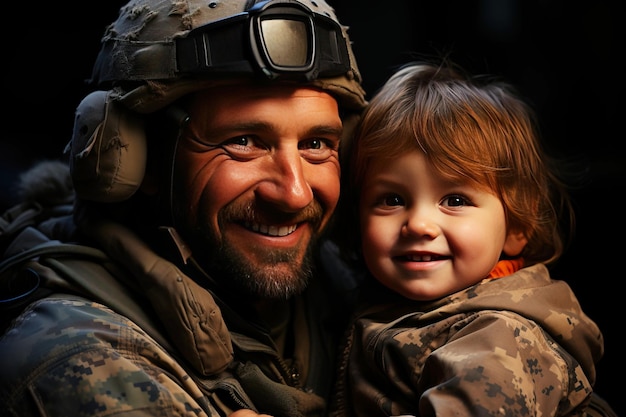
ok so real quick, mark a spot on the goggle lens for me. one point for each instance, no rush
(274, 39)
(285, 42)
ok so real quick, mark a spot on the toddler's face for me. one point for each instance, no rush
(423, 236)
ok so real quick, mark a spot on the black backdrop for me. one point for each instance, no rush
(566, 57)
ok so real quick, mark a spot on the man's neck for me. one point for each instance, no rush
(277, 316)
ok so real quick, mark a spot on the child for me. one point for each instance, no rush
(457, 212)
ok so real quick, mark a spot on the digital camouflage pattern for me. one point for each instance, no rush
(121, 331)
(102, 363)
(181, 361)
(514, 346)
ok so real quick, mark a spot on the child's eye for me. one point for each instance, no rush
(455, 201)
(392, 200)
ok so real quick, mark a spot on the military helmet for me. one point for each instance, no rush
(158, 51)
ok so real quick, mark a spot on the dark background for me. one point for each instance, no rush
(565, 57)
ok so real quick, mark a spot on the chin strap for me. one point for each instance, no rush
(178, 119)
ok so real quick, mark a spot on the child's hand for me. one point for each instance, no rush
(247, 413)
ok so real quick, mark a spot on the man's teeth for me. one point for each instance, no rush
(273, 230)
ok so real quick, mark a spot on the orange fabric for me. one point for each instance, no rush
(505, 267)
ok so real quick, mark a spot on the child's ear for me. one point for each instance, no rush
(514, 244)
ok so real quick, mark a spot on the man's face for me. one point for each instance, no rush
(256, 179)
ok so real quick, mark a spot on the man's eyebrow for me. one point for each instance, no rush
(227, 129)
(253, 126)
(333, 130)
(260, 126)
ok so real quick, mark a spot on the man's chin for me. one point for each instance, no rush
(275, 281)
(272, 275)
(260, 271)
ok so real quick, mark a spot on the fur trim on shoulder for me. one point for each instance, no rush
(47, 183)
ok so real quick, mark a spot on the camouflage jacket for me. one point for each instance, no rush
(119, 330)
(514, 346)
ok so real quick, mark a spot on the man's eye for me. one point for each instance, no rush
(244, 147)
(314, 144)
(317, 150)
(238, 141)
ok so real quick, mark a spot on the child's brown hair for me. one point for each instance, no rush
(471, 130)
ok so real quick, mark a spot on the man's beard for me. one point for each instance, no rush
(227, 266)
(284, 273)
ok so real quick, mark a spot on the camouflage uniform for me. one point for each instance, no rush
(158, 347)
(130, 326)
(514, 346)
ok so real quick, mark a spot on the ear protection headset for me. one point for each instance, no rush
(160, 50)
(108, 149)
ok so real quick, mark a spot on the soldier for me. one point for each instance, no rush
(455, 212)
(183, 279)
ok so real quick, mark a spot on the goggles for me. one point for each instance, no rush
(277, 40)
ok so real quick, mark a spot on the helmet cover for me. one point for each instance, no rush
(142, 49)
(158, 51)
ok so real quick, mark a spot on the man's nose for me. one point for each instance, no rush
(286, 185)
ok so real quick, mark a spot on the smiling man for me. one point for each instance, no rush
(205, 170)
